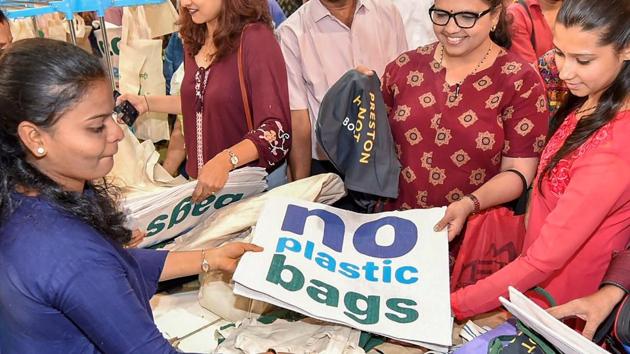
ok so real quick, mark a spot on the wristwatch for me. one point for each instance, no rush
(205, 265)
(233, 159)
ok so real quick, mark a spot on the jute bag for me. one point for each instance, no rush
(136, 167)
(114, 34)
(56, 27)
(161, 19)
(141, 71)
(82, 31)
(22, 28)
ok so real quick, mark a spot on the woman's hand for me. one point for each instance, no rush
(137, 236)
(140, 103)
(593, 308)
(226, 257)
(364, 70)
(212, 177)
(455, 217)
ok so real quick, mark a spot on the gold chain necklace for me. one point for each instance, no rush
(458, 85)
(584, 110)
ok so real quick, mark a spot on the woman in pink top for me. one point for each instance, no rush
(580, 207)
(532, 21)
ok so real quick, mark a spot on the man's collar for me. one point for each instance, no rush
(319, 11)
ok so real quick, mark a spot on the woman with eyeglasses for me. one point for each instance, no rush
(464, 111)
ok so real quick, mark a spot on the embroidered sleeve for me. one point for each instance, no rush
(272, 141)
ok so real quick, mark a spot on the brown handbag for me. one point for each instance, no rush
(241, 79)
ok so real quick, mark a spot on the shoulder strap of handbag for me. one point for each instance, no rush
(241, 79)
(529, 14)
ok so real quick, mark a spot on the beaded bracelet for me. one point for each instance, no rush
(477, 205)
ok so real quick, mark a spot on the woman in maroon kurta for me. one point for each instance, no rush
(462, 111)
(215, 126)
(449, 146)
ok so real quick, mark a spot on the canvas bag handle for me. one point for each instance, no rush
(241, 79)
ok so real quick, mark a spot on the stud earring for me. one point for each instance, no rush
(494, 28)
(41, 151)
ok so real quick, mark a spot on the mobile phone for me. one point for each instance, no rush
(125, 111)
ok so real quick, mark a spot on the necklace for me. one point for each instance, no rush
(209, 57)
(584, 110)
(473, 72)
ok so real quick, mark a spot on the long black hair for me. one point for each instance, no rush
(40, 80)
(611, 18)
(502, 35)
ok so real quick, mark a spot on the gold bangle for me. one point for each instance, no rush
(146, 100)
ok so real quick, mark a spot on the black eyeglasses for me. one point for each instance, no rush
(464, 19)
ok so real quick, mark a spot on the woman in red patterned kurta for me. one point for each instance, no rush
(461, 111)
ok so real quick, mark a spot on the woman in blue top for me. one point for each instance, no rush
(67, 285)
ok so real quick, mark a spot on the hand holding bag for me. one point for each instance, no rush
(492, 239)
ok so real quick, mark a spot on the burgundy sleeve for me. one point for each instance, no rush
(266, 79)
(619, 271)
(526, 120)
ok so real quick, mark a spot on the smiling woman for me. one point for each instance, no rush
(463, 111)
(234, 114)
(66, 282)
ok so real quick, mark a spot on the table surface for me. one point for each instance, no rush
(177, 315)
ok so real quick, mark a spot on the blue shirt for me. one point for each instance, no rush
(277, 14)
(64, 288)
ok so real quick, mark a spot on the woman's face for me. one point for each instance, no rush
(80, 146)
(587, 67)
(459, 41)
(202, 11)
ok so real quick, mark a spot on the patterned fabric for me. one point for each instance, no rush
(556, 89)
(448, 144)
(201, 81)
(559, 177)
